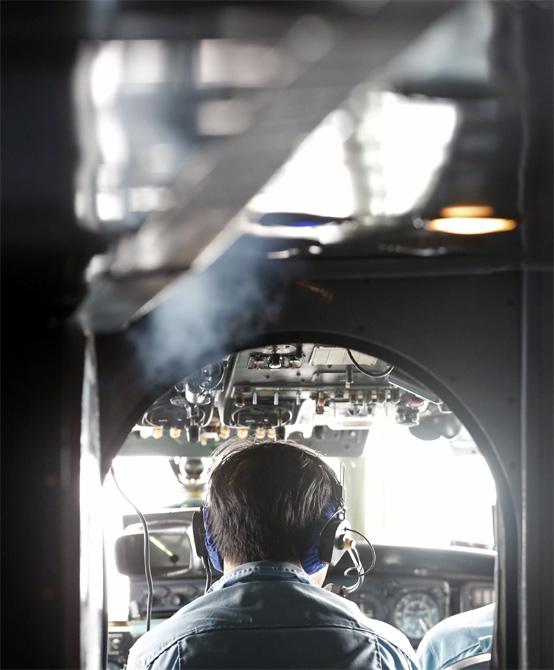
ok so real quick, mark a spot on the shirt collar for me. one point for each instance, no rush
(262, 570)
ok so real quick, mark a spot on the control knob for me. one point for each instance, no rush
(179, 599)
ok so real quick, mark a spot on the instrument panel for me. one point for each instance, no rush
(476, 594)
(411, 589)
(323, 396)
(411, 605)
(169, 596)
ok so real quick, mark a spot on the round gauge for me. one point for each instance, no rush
(415, 613)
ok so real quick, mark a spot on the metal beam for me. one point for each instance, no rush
(245, 163)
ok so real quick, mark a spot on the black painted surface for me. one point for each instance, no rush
(43, 256)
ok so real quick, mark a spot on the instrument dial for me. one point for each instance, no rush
(415, 613)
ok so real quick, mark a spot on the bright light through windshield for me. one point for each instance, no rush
(416, 493)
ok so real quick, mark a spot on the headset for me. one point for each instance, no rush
(330, 540)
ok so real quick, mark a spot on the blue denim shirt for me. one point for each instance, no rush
(458, 637)
(270, 615)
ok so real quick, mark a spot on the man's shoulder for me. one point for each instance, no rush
(200, 613)
(472, 624)
(381, 629)
(456, 637)
(475, 617)
(155, 642)
(238, 607)
(392, 635)
(150, 647)
(389, 639)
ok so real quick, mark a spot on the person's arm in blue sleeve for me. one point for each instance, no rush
(427, 655)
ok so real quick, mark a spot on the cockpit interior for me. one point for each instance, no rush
(324, 222)
(370, 420)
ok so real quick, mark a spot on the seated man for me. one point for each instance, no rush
(268, 504)
(462, 636)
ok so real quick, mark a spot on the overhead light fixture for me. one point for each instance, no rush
(466, 211)
(469, 220)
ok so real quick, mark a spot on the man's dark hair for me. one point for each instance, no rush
(266, 499)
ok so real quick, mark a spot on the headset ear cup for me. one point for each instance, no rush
(199, 535)
(327, 540)
(211, 548)
(331, 546)
(203, 542)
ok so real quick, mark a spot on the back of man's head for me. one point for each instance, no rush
(265, 500)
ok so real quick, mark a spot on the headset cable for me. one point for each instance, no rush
(147, 563)
(358, 568)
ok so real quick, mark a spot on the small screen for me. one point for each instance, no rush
(169, 551)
